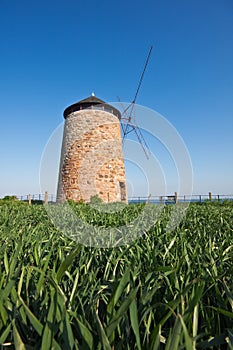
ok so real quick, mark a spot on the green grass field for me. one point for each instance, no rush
(166, 290)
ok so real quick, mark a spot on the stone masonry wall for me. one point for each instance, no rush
(91, 158)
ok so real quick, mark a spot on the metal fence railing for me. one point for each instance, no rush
(171, 199)
(162, 199)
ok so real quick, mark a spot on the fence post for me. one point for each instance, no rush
(148, 199)
(200, 198)
(29, 199)
(210, 196)
(46, 198)
(176, 198)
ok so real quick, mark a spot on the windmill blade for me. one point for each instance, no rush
(129, 126)
(142, 75)
(142, 141)
(132, 104)
(125, 119)
(129, 113)
(133, 128)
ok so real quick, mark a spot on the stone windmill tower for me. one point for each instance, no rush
(92, 160)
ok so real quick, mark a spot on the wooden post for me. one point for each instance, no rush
(218, 198)
(200, 198)
(148, 199)
(210, 196)
(29, 199)
(176, 198)
(184, 198)
(46, 198)
(161, 199)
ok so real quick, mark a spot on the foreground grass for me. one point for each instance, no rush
(166, 290)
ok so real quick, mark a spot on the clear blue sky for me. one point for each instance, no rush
(54, 53)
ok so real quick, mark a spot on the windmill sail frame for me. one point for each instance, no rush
(128, 117)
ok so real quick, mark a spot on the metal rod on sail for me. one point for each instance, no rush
(142, 75)
(142, 142)
(131, 126)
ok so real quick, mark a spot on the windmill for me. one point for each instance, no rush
(128, 116)
(92, 161)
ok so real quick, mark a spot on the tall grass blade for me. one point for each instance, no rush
(228, 293)
(195, 324)
(47, 336)
(68, 334)
(32, 318)
(175, 336)
(187, 338)
(5, 334)
(214, 342)
(102, 335)
(67, 262)
(125, 279)
(134, 322)
(121, 312)
(86, 334)
(19, 345)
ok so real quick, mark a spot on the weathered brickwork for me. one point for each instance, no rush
(92, 161)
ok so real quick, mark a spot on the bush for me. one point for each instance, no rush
(10, 198)
(96, 200)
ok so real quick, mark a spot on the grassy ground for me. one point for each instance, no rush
(166, 290)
